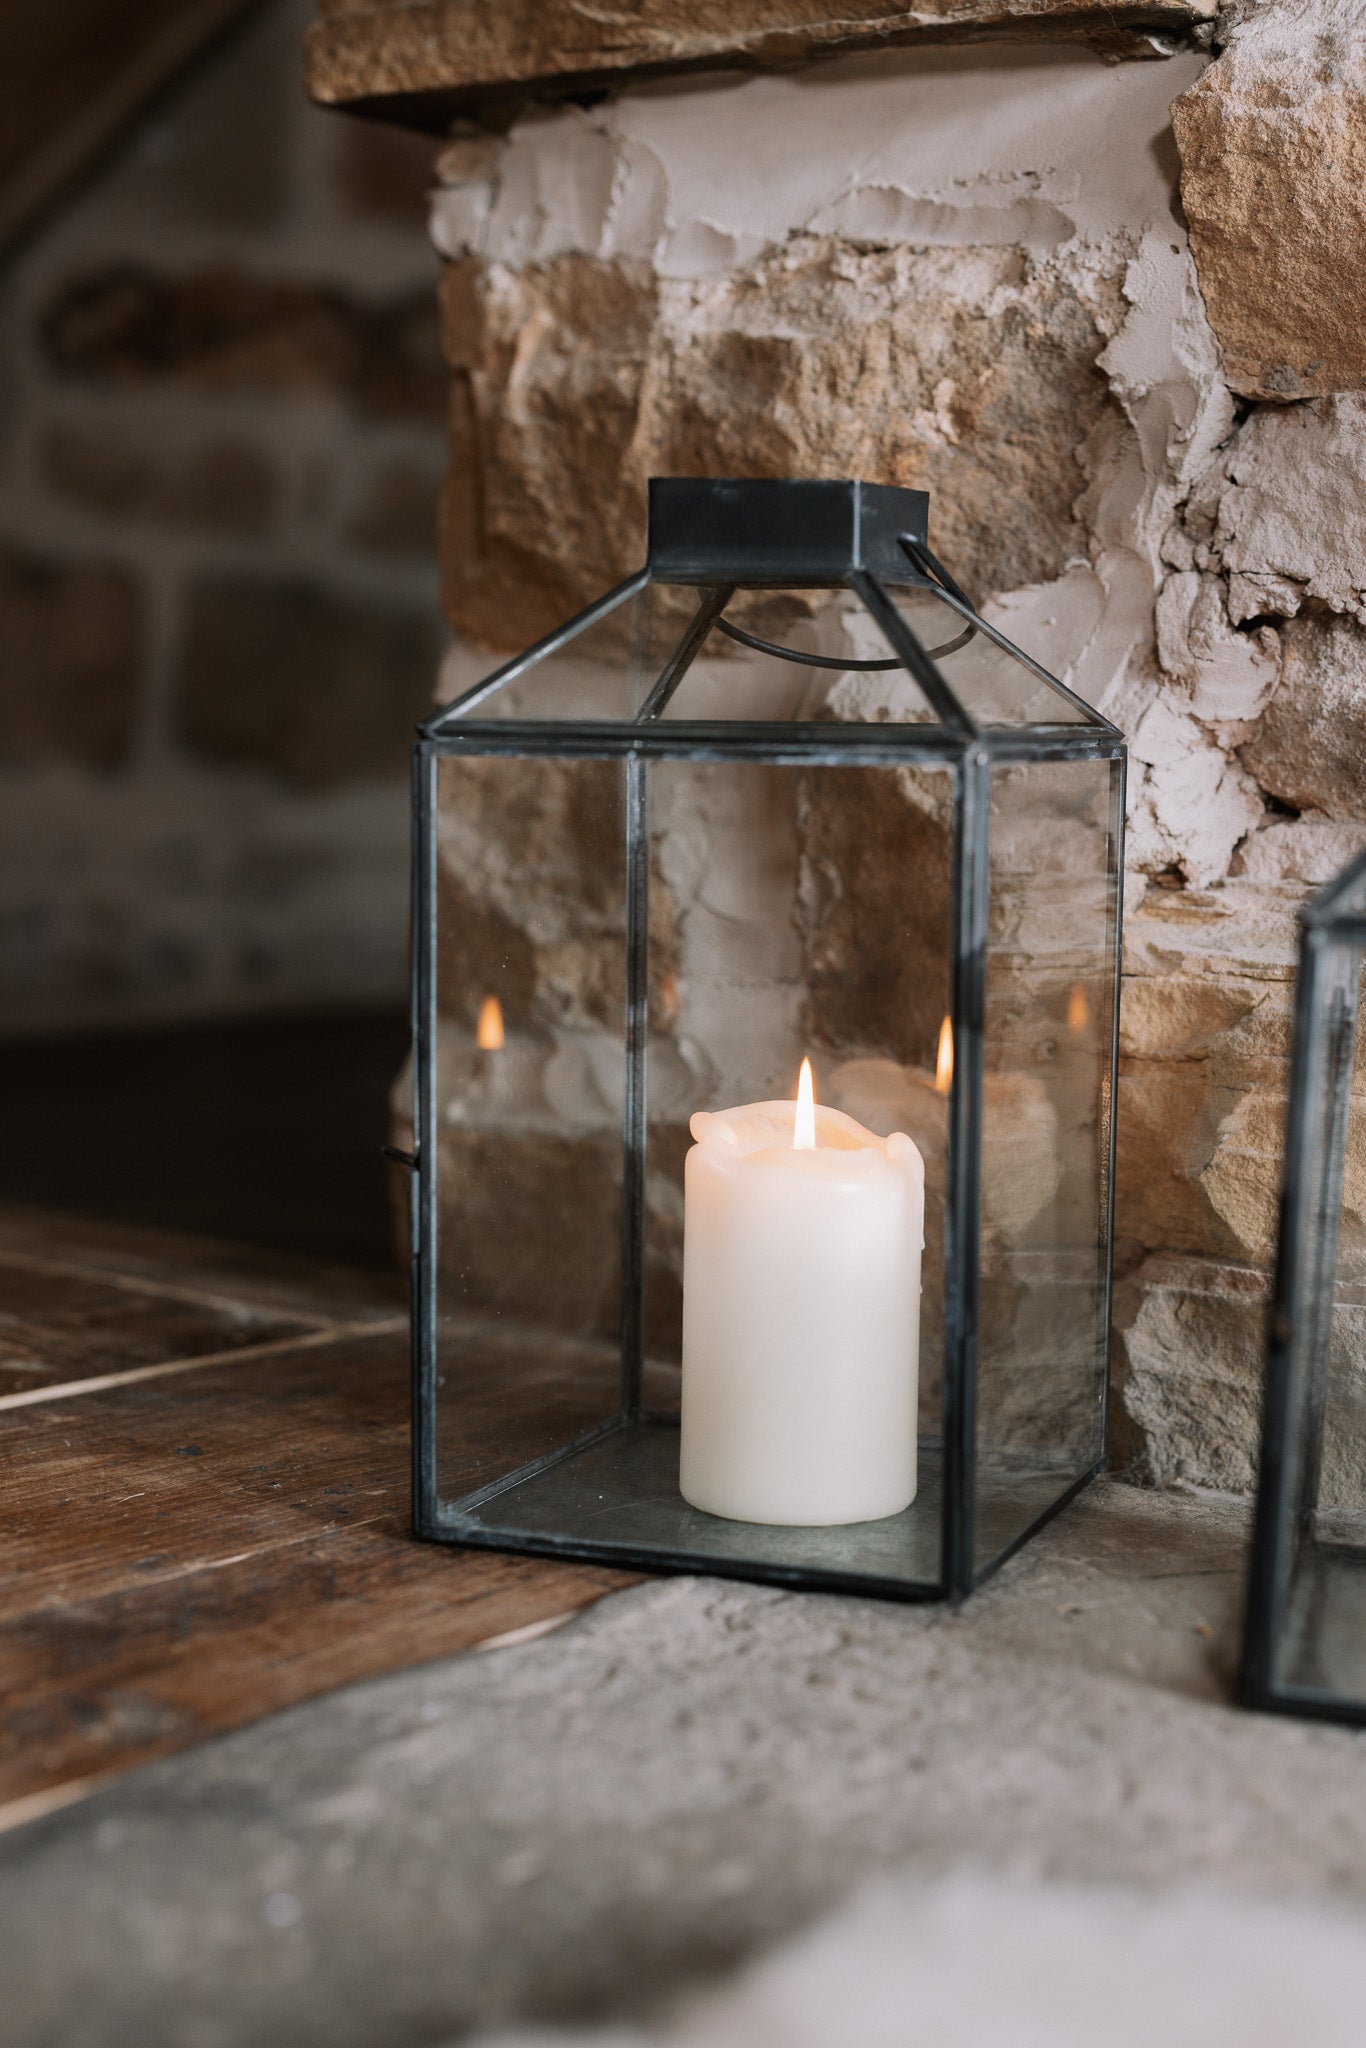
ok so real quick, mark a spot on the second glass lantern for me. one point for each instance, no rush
(766, 973)
(1305, 1643)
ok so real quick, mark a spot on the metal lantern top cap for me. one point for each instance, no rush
(625, 659)
(790, 531)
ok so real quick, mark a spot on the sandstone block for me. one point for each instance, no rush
(1204, 1050)
(222, 487)
(70, 655)
(449, 56)
(228, 329)
(969, 374)
(1308, 850)
(1191, 1343)
(1290, 522)
(1309, 748)
(1191, 1358)
(310, 685)
(1273, 181)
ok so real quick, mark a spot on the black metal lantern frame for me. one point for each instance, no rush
(1305, 1639)
(545, 1394)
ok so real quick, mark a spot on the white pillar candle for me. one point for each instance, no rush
(801, 1316)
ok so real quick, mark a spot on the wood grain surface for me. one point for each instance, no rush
(205, 1509)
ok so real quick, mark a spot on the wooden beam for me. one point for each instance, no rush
(430, 62)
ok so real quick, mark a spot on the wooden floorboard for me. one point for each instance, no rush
(94, 1686)
(57, 1326)
(203, 1266)
(183, 1552)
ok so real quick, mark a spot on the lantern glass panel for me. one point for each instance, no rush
(597, 668)
(804, 911)
(1044, 1310)
(528, 1106)
(725, 820)
(1306, 1628)
(731, 680)
(993, 681)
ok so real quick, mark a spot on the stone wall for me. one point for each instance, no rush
(221, 439)
(970, 271)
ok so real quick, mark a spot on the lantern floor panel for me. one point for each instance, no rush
(1325, 1644)
(618, 1495)
(615, 1497)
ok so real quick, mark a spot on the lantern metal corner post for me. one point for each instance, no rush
(422, 1176)
(1304, 1646)
(784, 792)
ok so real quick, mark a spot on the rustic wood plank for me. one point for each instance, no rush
(96, 1686)
(170, 1475)
(60, 1325)
(427, 61)
(181, 1555)
(162, 1476)
(195, 1266)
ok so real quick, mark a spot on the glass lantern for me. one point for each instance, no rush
(766, 948)
(1305, 1641)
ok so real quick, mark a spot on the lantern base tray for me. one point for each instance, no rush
(1323, 1669)
(613, 1498)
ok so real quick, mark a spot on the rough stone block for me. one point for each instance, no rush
(1288, 523)
(1309, 748)
(1273, 181)
(1191, 1356)
(1204, 1047)
(307, 684)
(970, 375)
(70, 653)
(1308, 850)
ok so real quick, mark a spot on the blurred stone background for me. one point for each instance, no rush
(221, 441)
(220, 446)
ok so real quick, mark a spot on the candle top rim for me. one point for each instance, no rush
(761, 1133)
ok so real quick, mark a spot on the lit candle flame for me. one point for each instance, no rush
(943, 1066)
(804, 1129)
(489, 1030)
(1078, 1009)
